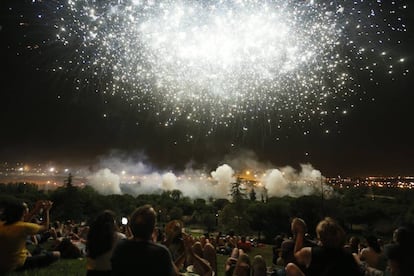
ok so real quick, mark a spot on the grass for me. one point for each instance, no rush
(77, 267)
(73, 267)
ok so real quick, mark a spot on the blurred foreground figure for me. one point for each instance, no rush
(14, 232)
(102, 238)
(328, 258)
(142, 252)
(400, 252)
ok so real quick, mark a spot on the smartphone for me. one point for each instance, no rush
(124, 221)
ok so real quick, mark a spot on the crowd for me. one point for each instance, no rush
(113, 249)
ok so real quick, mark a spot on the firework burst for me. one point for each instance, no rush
(220, 63)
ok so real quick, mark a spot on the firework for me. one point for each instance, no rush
(217, 63)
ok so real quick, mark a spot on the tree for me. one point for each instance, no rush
(176, 213)
(252, 195)
(68, 204)
(234, 218)
(220, 203)
(176, 195)
(271, 218)
(237, 192)
(209, 221)
(68, 181)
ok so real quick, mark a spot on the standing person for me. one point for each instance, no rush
(13, 235)
(141, 253)
(101, 240)
(328, 258)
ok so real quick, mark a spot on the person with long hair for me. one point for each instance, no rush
(101, 240)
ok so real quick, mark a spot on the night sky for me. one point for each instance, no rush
(44, 117)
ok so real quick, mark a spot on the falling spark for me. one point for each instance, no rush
(216, 63)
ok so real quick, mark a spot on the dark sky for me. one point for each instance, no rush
(44, 118)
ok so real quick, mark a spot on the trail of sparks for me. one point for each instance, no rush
(215, 63)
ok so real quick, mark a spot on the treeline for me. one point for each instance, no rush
(370, 210)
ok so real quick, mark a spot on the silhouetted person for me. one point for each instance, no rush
(141, 253)
(102, 238)
(329, 258)
(400, 253)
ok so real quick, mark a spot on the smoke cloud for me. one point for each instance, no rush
(105, 182)
(122, 175)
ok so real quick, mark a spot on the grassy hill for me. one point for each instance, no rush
(77, 267)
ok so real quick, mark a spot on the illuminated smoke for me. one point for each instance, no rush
(195, 183)
(105, 182)
(169, 181)
(287, 181)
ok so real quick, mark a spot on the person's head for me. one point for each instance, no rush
(198, 249)
(286, 251)
(403, 235)
(143, 221)
(243, 265)
(330, 233)
(259, 266)
(101, 234)
(278, 241)
(106, 219)
(173, 230)
(354, 241)
(14, 211)
(372, 241)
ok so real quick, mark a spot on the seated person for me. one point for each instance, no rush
(13, 235)
(329, 258)
(244, 244)
(237, 264)
(141, 251)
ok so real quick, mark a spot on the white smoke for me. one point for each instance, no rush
(223, 175)
(169, 181)
(123, 175)
(105, 182)
(287, 181)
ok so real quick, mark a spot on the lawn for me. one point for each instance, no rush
(77, 266)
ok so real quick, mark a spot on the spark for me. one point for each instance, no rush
(217, 63)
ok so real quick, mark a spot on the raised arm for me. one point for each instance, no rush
(46, 205)
(302, 254)
(34, 211)
(198, 261)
